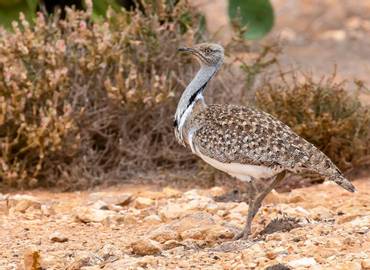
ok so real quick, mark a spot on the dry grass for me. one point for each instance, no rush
(82, 102)
(86, 103)
(324, 113)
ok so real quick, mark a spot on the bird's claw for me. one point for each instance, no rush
(243, 235)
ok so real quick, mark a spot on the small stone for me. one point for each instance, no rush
(142, 202)
(170, 244)
(83, 260)
(219, 233)
(144, 247)
(100, 205)
(163, 234)
(121, 199)
(271, 255)
(109, 252)
(86, 215)
(172, 211)
(199, 203)
(347, 218)
(302, 262)
(196, 233)
(196, 220)
(321, 213)
(58, 237)
(127, 218)
(23, 205)
(152, 219)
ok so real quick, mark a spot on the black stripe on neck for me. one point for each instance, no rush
(193, 96)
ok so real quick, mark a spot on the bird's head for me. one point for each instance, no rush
(209, 54)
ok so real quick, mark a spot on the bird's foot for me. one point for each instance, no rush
(243, 235)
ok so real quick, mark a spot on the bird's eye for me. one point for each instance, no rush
(207, 50)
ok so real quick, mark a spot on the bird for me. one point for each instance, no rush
(242, 141)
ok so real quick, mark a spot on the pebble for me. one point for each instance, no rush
(87, 214)
(22, 203)
(172, 211)
(58, 237)
(302, 262)
(153, 219)
(121, 199)
(164, 233)
(145, 246)
(84, 259)
(142, 202)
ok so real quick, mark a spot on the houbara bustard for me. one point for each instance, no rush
(244, 142)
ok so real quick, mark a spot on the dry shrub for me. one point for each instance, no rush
(84, 103)
(325, 114)
(81, 102)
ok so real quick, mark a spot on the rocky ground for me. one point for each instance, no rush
(143, 227)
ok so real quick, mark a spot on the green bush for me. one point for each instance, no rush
(325, 114)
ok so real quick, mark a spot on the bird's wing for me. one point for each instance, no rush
(230, 133)
(236, 134)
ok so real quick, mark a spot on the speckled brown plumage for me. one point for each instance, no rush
(230, 133)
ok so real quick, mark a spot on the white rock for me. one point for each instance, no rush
(303, 262)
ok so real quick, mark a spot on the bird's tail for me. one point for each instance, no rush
(343, 182)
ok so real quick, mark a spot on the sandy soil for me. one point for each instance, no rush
(141, 227)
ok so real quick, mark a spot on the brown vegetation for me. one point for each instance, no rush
(325, 114)
(98, 95)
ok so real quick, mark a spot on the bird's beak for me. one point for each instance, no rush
(185, 49)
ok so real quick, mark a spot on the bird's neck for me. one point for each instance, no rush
(192, 95)
(194, 91)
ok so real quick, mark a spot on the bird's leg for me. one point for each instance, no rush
(252, 189)
(255, 204)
